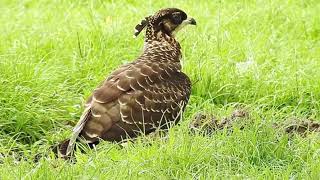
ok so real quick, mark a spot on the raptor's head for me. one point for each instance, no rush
(167, 21)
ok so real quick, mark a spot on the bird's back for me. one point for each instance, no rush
(139, 97)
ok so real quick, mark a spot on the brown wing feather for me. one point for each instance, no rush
(137, 98)
(140, 101)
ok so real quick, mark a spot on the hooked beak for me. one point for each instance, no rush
(192, 21)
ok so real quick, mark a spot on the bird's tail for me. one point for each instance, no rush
(66, 148)
(60, 150)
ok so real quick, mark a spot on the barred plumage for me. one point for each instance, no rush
(141, 96)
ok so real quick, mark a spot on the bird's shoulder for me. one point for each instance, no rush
(138, 76)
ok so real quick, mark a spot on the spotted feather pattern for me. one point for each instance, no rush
(138, 97)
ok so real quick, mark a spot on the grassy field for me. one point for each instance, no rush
(261, 55)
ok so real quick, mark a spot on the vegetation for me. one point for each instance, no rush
(261, 55)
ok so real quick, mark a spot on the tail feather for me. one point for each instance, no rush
(60, 150)
(77, 130)
(66, 148)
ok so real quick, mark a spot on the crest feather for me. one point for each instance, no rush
(141, 26)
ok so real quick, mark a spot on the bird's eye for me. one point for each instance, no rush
(177, 18)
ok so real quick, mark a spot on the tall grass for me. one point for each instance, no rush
(264, 55)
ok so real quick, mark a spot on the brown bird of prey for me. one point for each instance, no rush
(147, 94)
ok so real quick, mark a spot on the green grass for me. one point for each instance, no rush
(54, 53)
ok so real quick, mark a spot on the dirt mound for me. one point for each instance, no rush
(208, 123)
(299, 126)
